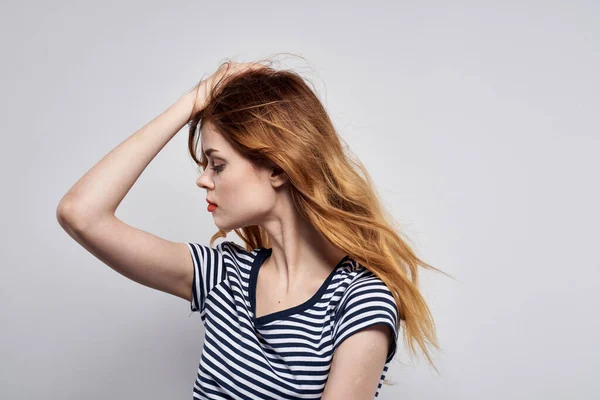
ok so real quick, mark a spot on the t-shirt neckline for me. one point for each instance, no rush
(262, 254)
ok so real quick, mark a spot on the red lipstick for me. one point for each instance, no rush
(211, 206)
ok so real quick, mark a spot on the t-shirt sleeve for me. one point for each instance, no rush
(365, 303)
(208, 272)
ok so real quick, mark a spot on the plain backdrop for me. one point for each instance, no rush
(478, 121)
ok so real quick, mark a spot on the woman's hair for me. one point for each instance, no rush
(273, 118)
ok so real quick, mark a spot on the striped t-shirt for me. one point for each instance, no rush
(285, 354)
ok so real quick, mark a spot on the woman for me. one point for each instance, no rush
(312, 306)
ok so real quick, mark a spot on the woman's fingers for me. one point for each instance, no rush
(226, 69)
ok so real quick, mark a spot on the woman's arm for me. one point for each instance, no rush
(87, 211)
(99, 192)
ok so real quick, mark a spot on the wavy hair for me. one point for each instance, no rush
(273, 118)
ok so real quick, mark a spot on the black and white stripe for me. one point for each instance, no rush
(286, 354)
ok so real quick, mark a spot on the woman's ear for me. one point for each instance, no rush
(278, 176)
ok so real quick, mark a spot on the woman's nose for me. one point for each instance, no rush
(203, 182)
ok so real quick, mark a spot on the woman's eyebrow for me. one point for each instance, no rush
(208, 152)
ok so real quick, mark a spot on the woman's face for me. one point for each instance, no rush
(244, 193)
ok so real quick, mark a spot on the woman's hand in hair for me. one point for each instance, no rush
(202, 91)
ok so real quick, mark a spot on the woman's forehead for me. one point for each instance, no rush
(212, 141)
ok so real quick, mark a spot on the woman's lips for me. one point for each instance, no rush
(211, 206)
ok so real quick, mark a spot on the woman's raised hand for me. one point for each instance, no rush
(201, 92)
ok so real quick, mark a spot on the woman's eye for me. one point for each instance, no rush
(218, 168)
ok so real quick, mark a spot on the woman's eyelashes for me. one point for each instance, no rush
(218, 168)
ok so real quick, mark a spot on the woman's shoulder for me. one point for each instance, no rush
(237, 251)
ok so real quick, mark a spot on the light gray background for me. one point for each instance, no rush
(477, 120)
